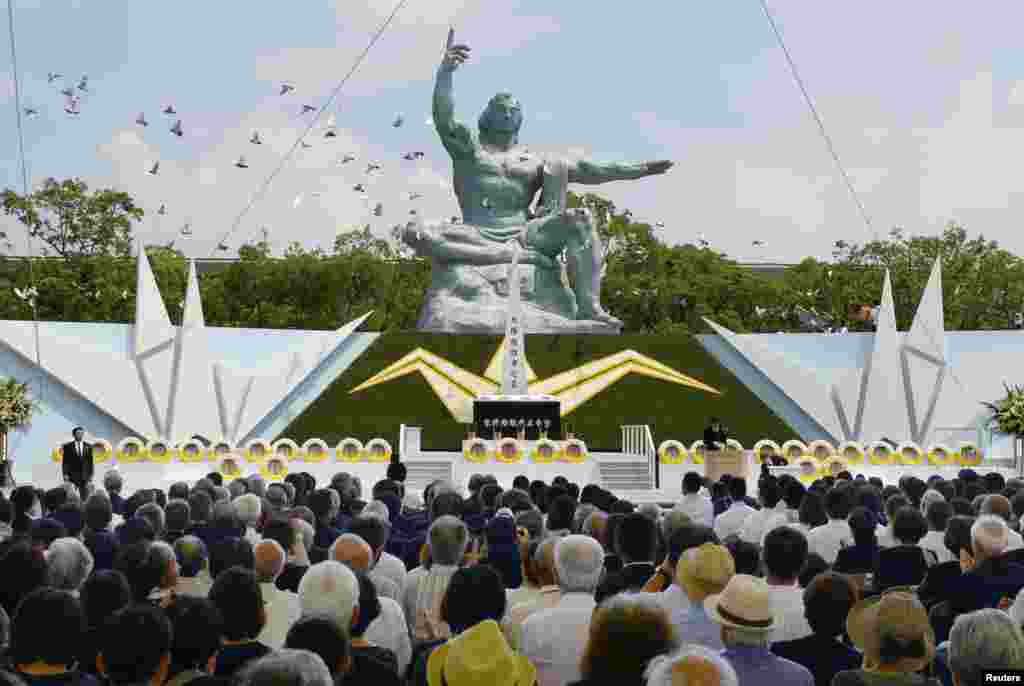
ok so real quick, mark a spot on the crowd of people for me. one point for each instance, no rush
(846, 582)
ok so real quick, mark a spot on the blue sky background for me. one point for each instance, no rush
(923, 102)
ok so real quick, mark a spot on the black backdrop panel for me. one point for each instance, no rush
(534, 416)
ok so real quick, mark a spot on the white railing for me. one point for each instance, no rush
(638, 441)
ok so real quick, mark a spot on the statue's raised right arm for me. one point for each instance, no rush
(456, 136)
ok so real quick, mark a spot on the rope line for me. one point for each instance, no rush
(25, 187)
(817, 118)
(287, 156)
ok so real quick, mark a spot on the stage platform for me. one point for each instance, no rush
(604, 469)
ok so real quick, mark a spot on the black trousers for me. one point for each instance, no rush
(81, 484)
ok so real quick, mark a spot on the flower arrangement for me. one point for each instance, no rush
(1008, 413)
(16, 406)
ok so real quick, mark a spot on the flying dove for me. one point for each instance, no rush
(399, 120)
(223, 247)
(256, 140)
(53, 76)
(429, 121)
(69, 92)
(306, 109)
(241, 163)
(757, 243)
(359, 188)
(170, 246)
(415, 196)
(31, 112)
(413, 212)
(306, 146)
(170, 110)
(154, 169)
(187, 229)
(286, 89)
(332, 125)
(176, 129)
(331, 133)
(372, 167)
(162, 210)
(345, 159)
(297, 201)
(3, 234)
(141, 119)
(378, 209)
(83, 83)
(456, 220)
(485, 203)
(659, 225)
(413, 156)
(524, 157)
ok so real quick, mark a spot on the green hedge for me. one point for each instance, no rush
(672, 411)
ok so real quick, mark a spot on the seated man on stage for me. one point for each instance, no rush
(715, 436)
(496, 181)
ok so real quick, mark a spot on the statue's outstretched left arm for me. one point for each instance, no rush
(590, 172)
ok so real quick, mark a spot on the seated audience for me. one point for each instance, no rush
(554, 639)
(862, 556)
(236, 594)
(941, 577)
(989, 576)
(46, 635)
(286, 668)
(893, 503)
(542, 572)
(281, 607)
(999, 506)
(193, 567)
(636, 542)
(695, 505)
(136, 647)
(325, 638)
(747, 557)
(424, 588)
(103, 593)
(480, 656)
(981, 641)
(896, 640)
(773, 513)
(177, 515)
(288, 536)
(196, 628)
(828, 539)
(784, 554)
(691, 664)
(814, 566)
(701, 572)
(744, 612)
(69, 563)
(938, 515)
(906, 563)
(371, 664)
(476, 594)
(827, 601)
(731, 520)
(626, 633)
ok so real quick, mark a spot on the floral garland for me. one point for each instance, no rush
(671, 452)
(1008, 413)
(574, 452)
(350, 450)
(378, 451)
(545, 451)
(941, 456)
(508, 451)
(475, 451)
(16, 405)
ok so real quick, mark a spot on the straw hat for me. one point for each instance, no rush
(479, 655)
(898, 612)
(706, 568)
(745, 604)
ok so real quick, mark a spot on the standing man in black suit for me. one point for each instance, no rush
(77, 463)
(715, 436)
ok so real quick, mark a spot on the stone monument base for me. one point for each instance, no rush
(446, 314)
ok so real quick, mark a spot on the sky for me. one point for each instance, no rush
(924, 103)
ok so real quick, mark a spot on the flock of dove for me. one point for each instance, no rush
(176, 126)
(74, 93)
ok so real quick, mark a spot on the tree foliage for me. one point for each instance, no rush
(653, 287)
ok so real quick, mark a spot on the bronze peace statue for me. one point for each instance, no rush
(496, 182)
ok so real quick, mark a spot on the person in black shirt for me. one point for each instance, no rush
(136, 647)
(237, 596)
(322, 635)
(715, 436)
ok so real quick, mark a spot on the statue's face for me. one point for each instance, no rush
(503, 113)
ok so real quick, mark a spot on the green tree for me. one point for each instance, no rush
(74, 223)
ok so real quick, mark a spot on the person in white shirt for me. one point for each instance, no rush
(826, 540)
(425, 587)
(549, 593)
(938, 515)
(376, 531)
(554, 639)
(730, 521)
(773, 513)
(356, 554)
(884, 534)
(192, 562)
(694, 503)
(783, 556)
(999, 505)
(281, 607)
(248, 509)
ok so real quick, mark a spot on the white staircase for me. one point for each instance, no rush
(634, 470)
